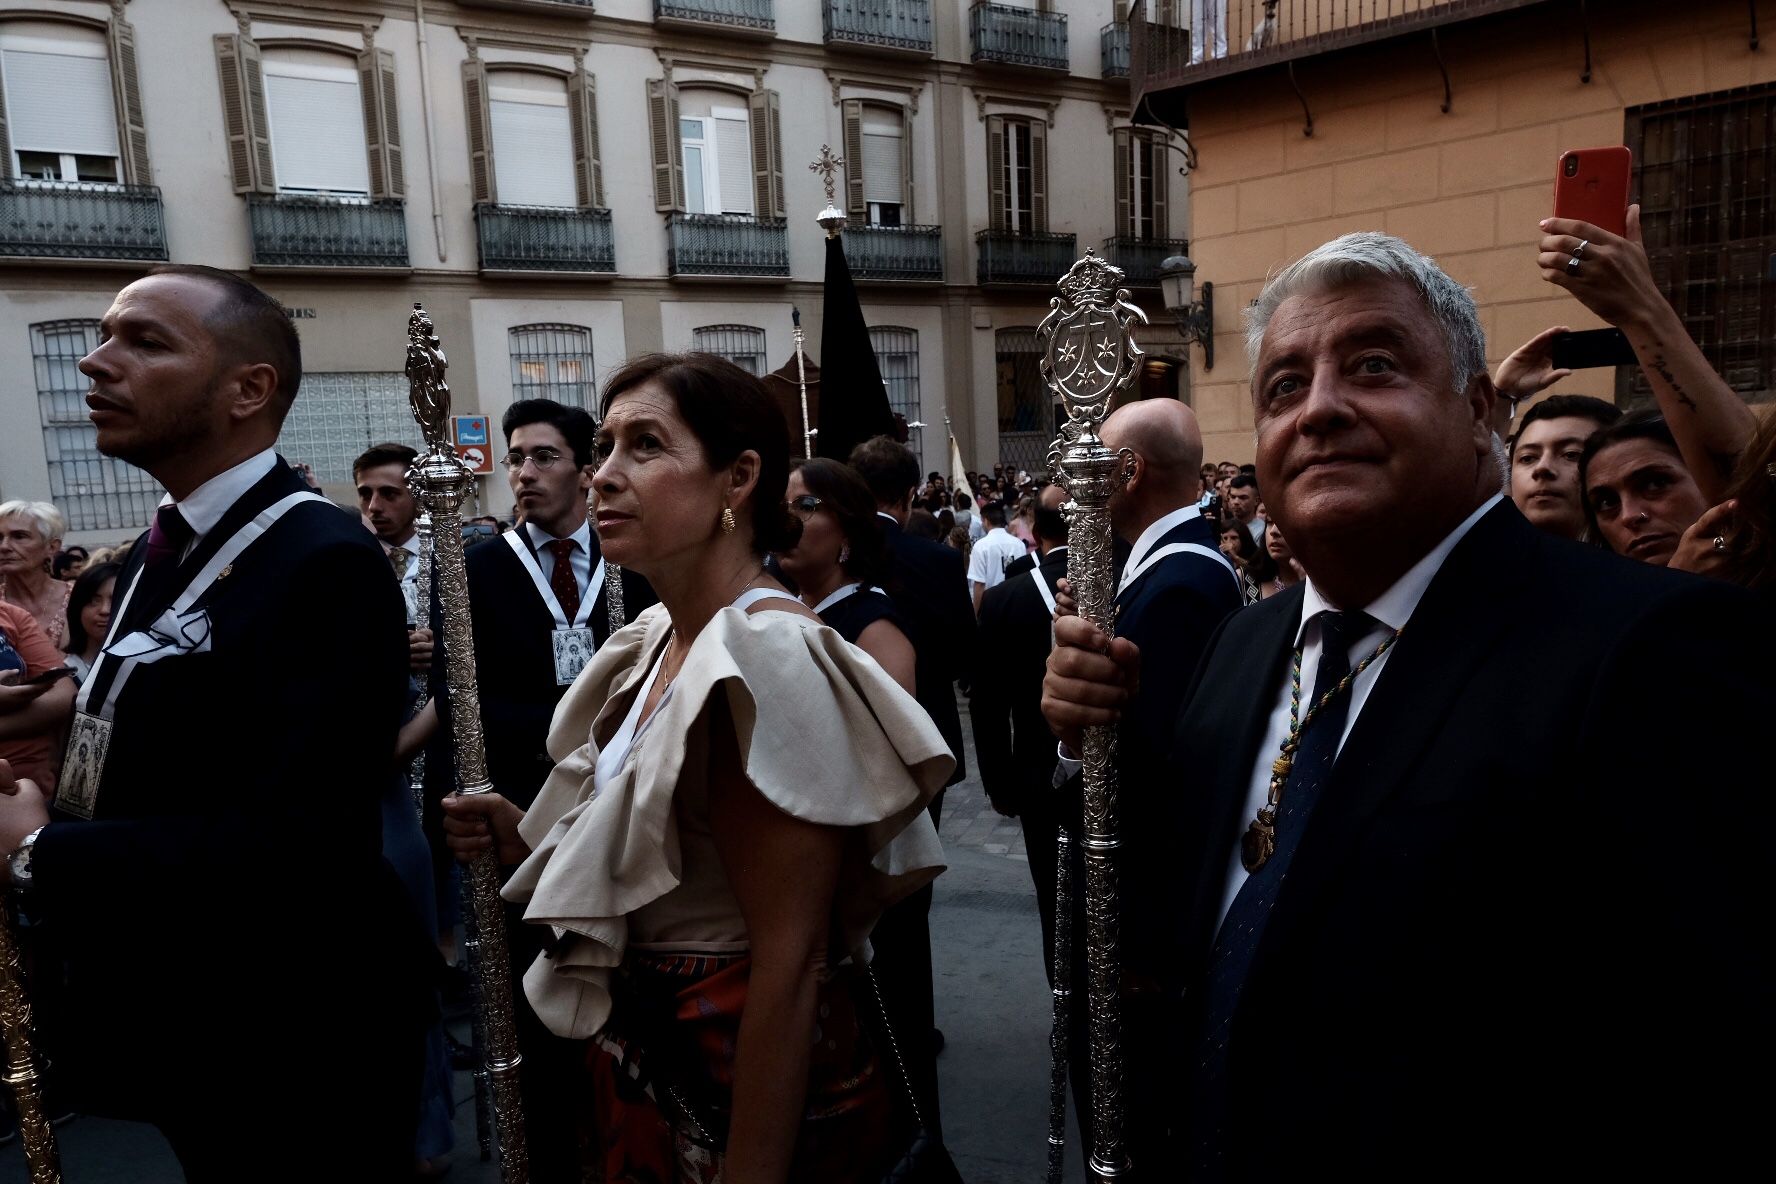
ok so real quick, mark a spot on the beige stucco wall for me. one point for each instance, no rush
(1467, 187)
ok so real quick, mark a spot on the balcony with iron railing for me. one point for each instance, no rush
(1165, 54)
(581, 8)
(80, 220)
(748, 17)
(1018, 36)
(312, 230)
(1113, 50)
(895, 254)
(1140, 258)
(1022, 257)
(545, 238)
(898, 25)
(727, 245)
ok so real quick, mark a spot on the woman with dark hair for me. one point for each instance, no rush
(1241, 550)
(89, 615)
(1639, 494)
(840, 561)
(1283, 572)
(738, 795)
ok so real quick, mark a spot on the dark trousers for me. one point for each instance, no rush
(901, 941)
(553, 1081)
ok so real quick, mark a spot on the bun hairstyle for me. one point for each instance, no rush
(730, 412)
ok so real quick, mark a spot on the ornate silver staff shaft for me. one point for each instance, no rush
(422, 596)
(613, 598)
(41, 1157)
(1090, 357)
(446, 481)
(802, 382)
(1060, 1036)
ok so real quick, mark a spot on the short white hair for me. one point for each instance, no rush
(1365, 256)
(46, 518)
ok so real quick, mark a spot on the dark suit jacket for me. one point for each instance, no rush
(1170, 611)
(515, 663)
(1012, 742)
(929, 585)
(230, 897)
(1526, 927)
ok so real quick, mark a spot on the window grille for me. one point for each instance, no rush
(742, 345)
(1704, 168)
(93, 491)
(897, 353)
(553, 362)
(1026, 411)
(337, 416)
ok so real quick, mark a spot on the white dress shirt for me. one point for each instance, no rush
(581, 555)
(1150, 539)
(204, 506)
(1391, 610)
(409, 572)
(986, 563)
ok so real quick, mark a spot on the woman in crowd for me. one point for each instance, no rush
(32, 714)
(89, 615)
(1640, 496)
(1736, 540)
(1241, 550)
(840, 562)
(958, 539)
(30, 535)
(69, 563)
(1283, 572)
(738, 796)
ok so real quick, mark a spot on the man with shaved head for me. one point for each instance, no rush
(1173, 592)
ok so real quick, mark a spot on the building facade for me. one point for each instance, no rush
(1442, 121)
(564, 184)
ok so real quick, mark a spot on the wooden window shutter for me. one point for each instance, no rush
(906, 165)
(243, 114)
(765, 115)
(582, 110)
(669, 183)
(855, 206)
(1156, 182)
(382, 124)
(5, 145)
(1039, 175)
(1123, 160)
(996, 172)
(126, 85)
(483, 187)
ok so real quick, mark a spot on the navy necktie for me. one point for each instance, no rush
(1241, 930)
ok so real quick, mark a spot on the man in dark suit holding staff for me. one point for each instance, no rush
(1458, 894)
(217, 893)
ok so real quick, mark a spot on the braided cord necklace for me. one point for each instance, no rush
(1259, 841)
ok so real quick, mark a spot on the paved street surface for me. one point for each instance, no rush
(992, 1004)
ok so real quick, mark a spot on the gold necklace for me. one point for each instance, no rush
(672, 636)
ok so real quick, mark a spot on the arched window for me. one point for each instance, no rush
(552, 362)
(897, 353)
(742, 345)
(94, 491)
(1026, 410)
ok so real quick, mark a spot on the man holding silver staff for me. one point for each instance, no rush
(1464, 889)
(245, 703)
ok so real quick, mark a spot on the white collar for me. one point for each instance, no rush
(540, 538)
(888, 516)
(1394, 607)
(408, 544)
(204, 506)
(1151, 536)
(997, 530)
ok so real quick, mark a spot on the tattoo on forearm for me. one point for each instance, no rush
(1659, 366)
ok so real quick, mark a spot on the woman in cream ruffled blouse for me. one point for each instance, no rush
(738, 795)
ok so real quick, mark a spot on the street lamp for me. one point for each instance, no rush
(1196, 319)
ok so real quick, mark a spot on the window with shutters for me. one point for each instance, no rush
(716, 139)
(93, 490)
(532, 139)
(338, 415)
(897, 353)
(883, 144)
(60, 107)
(1140, 184)
(1016, 158)
(552, 362)
(315, 115)
(742, 345)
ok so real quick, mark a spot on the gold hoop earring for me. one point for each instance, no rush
(727, 520)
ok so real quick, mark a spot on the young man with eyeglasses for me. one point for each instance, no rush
(538, 601)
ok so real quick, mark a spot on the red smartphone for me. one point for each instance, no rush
(1591, 185)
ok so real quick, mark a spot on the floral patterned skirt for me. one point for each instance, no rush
(644, 1132)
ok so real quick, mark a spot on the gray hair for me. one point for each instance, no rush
(46, 518)
(1369, 255)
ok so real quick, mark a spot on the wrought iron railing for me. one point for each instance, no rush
(742, 14)
(292, 230)
(1113, 50)
(1240, 35)
(1140, 258)
(1009, 257)
(891, 24)
(545, 238)
(727, 244)
(581, 7)
(76, 220)
(895, 252)
(1018, 36)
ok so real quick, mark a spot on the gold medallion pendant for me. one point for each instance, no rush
(1259, 842)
